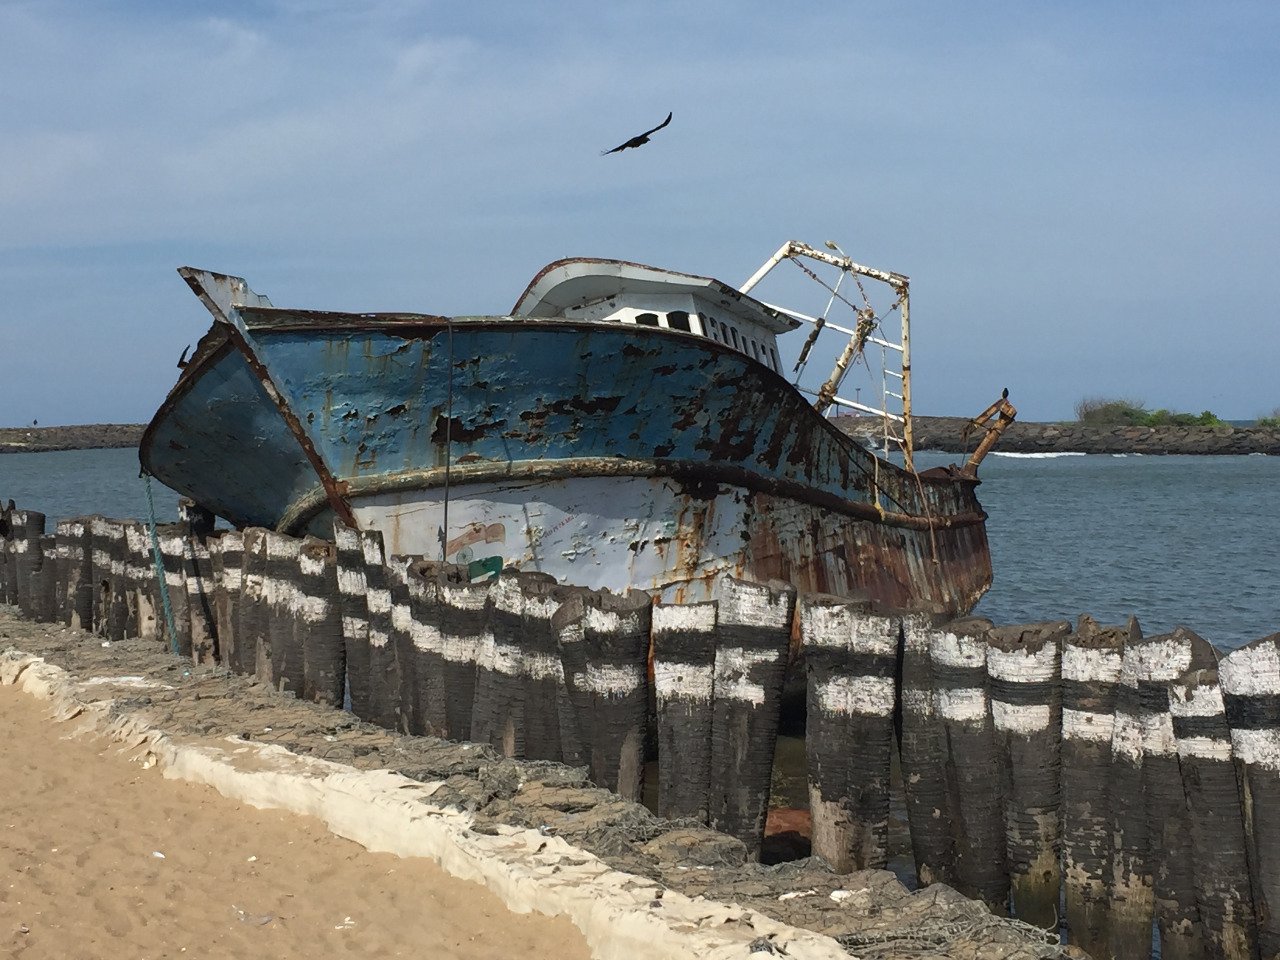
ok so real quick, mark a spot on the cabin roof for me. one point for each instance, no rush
(581, 280)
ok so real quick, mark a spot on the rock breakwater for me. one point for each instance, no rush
(89, 436)
(949, 435)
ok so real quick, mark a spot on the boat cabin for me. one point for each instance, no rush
(630, 293)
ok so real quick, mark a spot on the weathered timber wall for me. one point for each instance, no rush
(1132, 779)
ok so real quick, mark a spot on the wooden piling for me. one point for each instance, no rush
(959, 655)
(1250, 679)
(497, 716)
(604, 647)
(139, 574)
(400, 651)
(323, 649)
(1091, 661)
(464, 629)
(430, 688)
(115, 583)
(922, 754)
(223, 618)
(8, 574)
(1132, 883)
(1150, 858)
(547, 710)
(355, 615)
(753, 635)
(45, 579)
(73, 549)
(1024, 673)
(252, 622)
(1217, 817)
(29, 528)
(200, 606)
(173, 550)
(384, 678)
(684, 655)
(278, 661)
(851, 658)
(1168, 821)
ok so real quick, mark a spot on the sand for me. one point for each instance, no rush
(82, 831)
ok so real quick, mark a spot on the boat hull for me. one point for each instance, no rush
(604, 456)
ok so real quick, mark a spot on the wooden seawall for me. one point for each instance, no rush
(1077, 774)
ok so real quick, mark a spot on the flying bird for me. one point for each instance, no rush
(638, 141)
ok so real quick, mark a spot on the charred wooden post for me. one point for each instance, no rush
(1168, 820)
(44, 579)
(498, 714)
(753, 635)
(959, 654)
(173, 550)
(604, 647)
(139, 575)
(851, 656)
(430, 687)
(113, 582)
(34, 576)
(252, 621)
(547, 710)
(200, 607)
(28, 529)
(1091, 662)
(1150, 866)
(684, 654)
(1024, 670)
(100, 573)
(465, 610)
(278, 660)
(384, 678)
(923, 755)
(1223, 889)
(1250, 679)
(222, 604)
(8, 573)
(1132, 882)
(199, 523)
(323, 650)
(355, 615)
(73, 551)
(401, 647)
(229, 601)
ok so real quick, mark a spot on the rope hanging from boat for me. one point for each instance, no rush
(448, 448)
(158, 563)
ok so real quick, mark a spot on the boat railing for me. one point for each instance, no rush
(867, 331)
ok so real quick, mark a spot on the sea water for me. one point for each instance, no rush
(1191, 541)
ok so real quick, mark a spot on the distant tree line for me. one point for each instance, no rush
(1111, 412)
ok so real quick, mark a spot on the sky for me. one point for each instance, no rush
(1085, 195)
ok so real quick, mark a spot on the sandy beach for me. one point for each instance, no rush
(103, 858)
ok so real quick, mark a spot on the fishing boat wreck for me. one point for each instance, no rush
(625, 426)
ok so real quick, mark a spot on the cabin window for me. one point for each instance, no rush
(713, 328)
(733, 332)
(679, 320)
(647, 319)
(755, 349)
(774, 353)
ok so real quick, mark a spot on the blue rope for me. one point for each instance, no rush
(159, 568)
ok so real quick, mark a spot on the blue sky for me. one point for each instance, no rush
(1085, 195)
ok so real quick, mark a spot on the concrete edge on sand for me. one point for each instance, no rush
(620, 915)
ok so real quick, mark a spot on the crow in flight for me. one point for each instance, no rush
(639, 141)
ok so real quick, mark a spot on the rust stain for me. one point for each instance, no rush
(453, 431)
